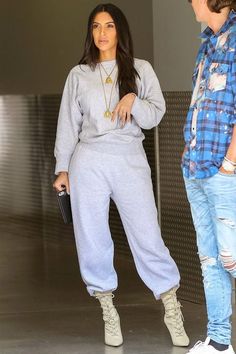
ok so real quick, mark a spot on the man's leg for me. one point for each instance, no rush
(217, 284)
(221, 191)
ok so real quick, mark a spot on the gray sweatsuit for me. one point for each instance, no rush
(107, 161)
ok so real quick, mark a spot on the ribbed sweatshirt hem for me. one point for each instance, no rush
(132, 148)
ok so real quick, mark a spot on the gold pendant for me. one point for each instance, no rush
(109, 80)
(107, 114)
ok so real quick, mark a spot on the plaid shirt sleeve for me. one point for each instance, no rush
(233, 85)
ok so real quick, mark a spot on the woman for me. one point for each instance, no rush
(106, 101)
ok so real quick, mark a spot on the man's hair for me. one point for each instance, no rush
(218, 5)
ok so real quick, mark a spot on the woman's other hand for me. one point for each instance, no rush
(62, 182)
(123, 109)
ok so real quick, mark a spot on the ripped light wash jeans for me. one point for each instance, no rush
(213, 207)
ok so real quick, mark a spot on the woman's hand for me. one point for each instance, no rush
(62, 182)
(123, 109)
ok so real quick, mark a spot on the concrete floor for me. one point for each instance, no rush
(45, 309)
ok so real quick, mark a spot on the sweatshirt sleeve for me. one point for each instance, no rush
(69, 124)
(149, 108)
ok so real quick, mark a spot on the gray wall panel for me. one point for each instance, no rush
(18, 153)
(40, 41)
(176, 41)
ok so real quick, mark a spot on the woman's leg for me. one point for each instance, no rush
(90, 198)
(133, 195)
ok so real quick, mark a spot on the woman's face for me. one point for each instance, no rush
(104, 33)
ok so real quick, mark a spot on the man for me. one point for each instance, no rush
(209, 165)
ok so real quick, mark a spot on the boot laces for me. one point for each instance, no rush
(110, 315)
(173, 311)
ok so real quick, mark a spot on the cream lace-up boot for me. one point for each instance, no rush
(113, 335)
(174, 318)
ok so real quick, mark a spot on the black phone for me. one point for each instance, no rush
(64, 203)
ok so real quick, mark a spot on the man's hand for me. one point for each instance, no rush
(222, 170)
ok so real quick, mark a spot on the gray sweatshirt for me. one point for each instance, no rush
(81, 116)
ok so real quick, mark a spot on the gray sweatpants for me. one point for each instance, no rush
(95, 177)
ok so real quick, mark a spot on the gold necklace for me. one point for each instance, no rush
(108, 79)
(107, 113)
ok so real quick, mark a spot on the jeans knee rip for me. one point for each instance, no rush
(227, 260)
(228, 222)
(207, 261)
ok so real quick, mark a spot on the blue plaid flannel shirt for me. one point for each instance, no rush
(212, 113)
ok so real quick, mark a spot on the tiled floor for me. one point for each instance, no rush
(45, 309)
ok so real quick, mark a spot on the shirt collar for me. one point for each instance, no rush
(207, 33)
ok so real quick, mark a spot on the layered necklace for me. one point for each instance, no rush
(108, 80)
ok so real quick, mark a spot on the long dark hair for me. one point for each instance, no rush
(124, 54)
